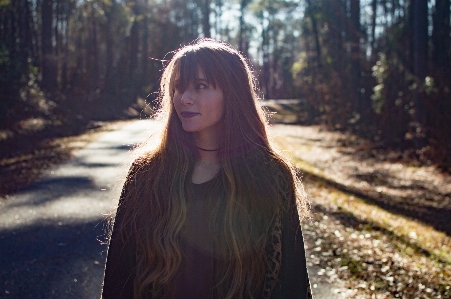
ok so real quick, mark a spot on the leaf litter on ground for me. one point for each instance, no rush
(369, 229)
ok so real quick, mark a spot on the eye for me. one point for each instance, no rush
(201, 85)
(176, 87)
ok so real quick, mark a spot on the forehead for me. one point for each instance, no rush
(200, 73)
(188, 69)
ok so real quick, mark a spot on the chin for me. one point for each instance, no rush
(189, 129)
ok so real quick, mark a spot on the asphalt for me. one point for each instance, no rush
(52, 232)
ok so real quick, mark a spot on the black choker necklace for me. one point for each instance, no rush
(208, 150)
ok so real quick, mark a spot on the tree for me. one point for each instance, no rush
(18, 53)
(374, 4)
(242, 27)
(441, 36)
(419, 11)
(206, 18)
(49, 63)
(312, 11)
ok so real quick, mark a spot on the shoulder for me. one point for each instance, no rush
(141, 166)
(285, 174)
(279, 166)
(134, 188)
(287, 180)
(140, 173)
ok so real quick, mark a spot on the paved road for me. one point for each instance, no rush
(51, 232)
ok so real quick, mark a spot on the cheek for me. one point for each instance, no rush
(176, 102)
(175, 110)
(220, 106)
(223, 109)
(217, 110)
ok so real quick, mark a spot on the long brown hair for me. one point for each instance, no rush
(259, 183)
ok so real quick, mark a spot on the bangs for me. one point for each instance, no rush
(186, 71)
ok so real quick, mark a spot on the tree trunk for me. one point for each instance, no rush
(440, 36)
(265, 56)
(373, 29)
(242, 29)
(420, 49)
(218, 14)
(93, 55)
(310, 12)
(206, 18)
(26, 41)
(48, 82)
(355, 33)
(144, 56)
(65, 48)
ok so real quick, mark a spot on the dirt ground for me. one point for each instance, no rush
(381, 224)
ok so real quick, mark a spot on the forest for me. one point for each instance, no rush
(377, 68)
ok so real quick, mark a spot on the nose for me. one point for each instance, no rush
(187, 98)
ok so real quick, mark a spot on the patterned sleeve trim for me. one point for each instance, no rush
(274, 258)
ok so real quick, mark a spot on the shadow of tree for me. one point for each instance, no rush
(439, 218)
(349, 220)
(53, 188)
(310, 141)
(385, 178)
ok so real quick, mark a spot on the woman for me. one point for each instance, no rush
(212, 212)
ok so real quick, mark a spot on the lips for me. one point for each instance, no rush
(189, 114)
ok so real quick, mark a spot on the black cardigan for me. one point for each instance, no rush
(291, 274)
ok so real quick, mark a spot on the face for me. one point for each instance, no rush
(200, 107)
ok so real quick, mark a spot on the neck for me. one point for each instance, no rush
(207, 146)
(207, 164)
(208, 156)
(208, 150)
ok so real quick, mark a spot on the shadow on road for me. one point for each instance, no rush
(51, 189)
(36, 261)
(52, 232)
